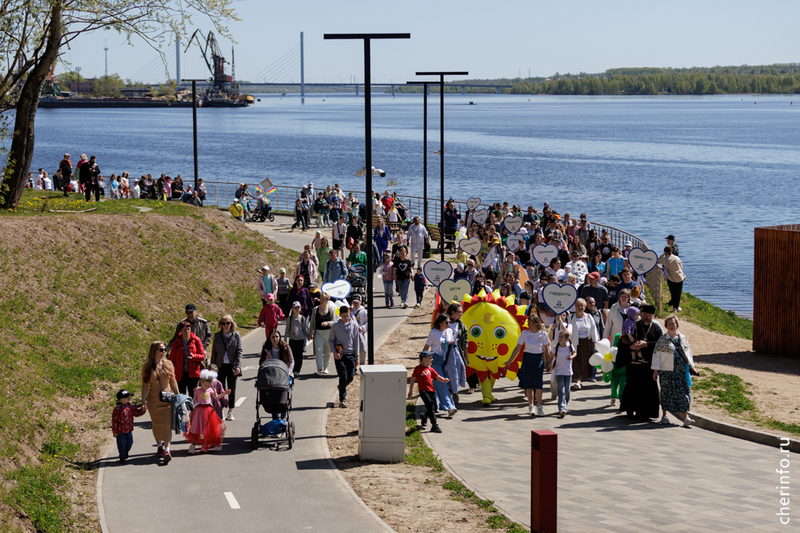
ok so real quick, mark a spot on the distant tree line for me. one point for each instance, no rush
(769, 79)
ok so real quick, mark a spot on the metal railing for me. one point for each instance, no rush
(221, 194)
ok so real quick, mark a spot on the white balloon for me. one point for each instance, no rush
(602, 346)
(607, 366)
(613, 352)
(596, 359)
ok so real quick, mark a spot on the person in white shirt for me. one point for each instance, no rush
(584, 335)
(417, 235)
(47, 183)
(537, 354)
(361, 316)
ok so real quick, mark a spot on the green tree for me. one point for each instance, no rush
(65, 78)
(700, 86)
(32, 32)
(108, 86)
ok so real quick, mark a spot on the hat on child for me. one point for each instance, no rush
(295, 304)
(124, 394)
(270, 296)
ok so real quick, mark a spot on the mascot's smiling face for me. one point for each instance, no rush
(493, 328)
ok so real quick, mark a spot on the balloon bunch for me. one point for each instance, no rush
(604, 356)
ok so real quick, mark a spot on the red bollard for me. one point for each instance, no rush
(544, 470)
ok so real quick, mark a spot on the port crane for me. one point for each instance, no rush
(223, 90)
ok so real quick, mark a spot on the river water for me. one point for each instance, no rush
(707, 169)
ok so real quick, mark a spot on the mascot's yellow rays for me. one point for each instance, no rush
(494, 325)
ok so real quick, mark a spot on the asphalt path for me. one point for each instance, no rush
(239, 489)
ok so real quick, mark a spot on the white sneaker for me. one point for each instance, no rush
(541, 410)
(230, 416)
(405, 305)
(325, 371)
(416, 306)
(318, 372)
(192, 449)
(470, 391)
(562, 414)
(531, 410)
(218, 448)
(665, 420)
(688, 421)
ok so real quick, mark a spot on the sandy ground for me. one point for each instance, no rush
(411, 498)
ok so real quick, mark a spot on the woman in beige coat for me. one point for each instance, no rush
(158, 375)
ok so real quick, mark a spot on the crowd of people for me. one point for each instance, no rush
(612, 305)
(85, 178)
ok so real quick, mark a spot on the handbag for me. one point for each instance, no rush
(166, 396)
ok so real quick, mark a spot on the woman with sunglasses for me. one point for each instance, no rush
(187, 354)
(158, 374)
(226, 353)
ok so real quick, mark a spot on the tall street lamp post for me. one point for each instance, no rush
(425, 85)
(194, 125)
(441, 75)
(367, 37)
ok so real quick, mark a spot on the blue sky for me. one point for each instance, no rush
(488, 39)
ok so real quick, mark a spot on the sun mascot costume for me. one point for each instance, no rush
(494, 324)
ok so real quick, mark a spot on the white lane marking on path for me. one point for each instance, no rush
(240, 401)
(231, 500)
(248, 368)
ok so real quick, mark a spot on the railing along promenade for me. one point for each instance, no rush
(283, 199)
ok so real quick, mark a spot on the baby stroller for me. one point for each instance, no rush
(274, 387)
(263, 211)
(358, 281)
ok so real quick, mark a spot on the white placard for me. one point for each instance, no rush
(642, 261)
(515, 241)
(559, 298)
(544, 253)
(513, 224)
(338, 289)
(471, 246)
(437, 271)
(454, 291)
(480, 216)
(473, 203)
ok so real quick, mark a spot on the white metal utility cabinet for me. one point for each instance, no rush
(382, 413)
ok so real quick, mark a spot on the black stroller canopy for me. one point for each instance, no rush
(273, 375)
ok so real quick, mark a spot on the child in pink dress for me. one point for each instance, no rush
(206, 429)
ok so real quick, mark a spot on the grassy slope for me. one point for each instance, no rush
(83, 296)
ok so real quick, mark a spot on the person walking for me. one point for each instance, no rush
(335, 268)
(640, 398)
(345, 341)
(158, 374)
(296, 331)
(188, 355)
(672, 366)
(322, 319)
(199, 325)
(361, 316)
(267, 284)
(673, 268)
(417, 236)
(226, 354)
(402, 273)
(66, 173)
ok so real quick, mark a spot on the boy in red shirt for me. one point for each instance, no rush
(425, 375)
(122, 423)
(270, 314)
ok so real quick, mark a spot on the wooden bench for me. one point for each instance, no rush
(436, 235)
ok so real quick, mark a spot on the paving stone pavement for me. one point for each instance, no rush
(615, 474)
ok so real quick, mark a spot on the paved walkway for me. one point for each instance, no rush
(286, 490)
(614, 475)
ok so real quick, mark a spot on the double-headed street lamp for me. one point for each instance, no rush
(425, 85)
(441, 75)
(367, 37)
(194, 123)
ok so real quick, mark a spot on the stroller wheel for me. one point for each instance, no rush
(290, 432)
(271, 217)
(254, 439)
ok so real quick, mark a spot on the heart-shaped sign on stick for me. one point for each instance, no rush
(471, 246)
(437, 271)
(454, 291)
(544, 253)
(559, 298)
(513, 224)
(515, 242)
(642, 261)
(337, 289)
(480, 216)
(473, 203)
